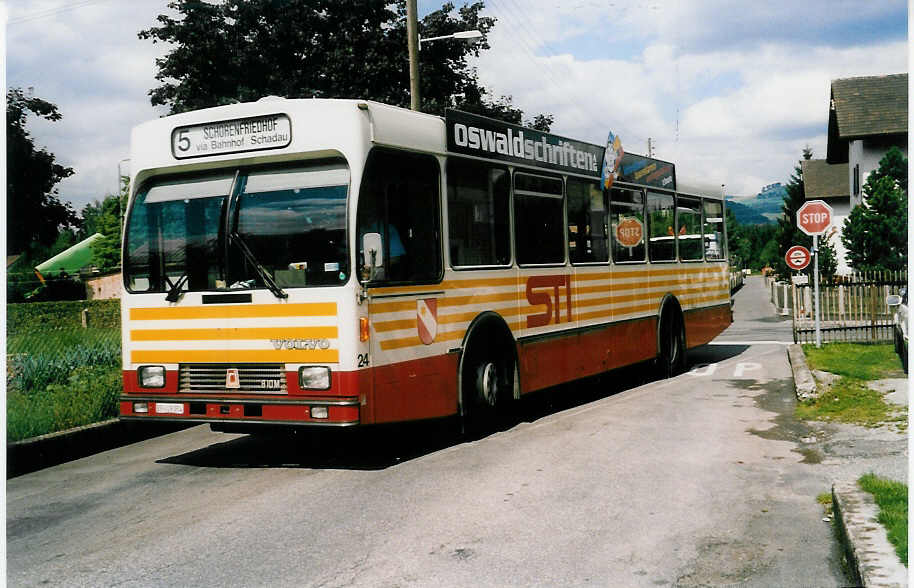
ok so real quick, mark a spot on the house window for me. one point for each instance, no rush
(856, 191)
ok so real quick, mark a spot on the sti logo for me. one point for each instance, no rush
(546, 290)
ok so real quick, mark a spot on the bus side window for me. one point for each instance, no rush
(477, 203)
(627, 225)
(688, 219)
(539, 219)
(715, 247)
(399, 199)
(661, 231)
(587, 235)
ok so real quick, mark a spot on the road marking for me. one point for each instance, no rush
(703, 369)
(742, 368)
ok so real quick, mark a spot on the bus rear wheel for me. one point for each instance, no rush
(672, 354)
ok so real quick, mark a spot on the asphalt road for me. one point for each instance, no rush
(695, 481)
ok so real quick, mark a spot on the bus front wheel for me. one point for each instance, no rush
(487, 388)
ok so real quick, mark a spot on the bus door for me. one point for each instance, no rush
(399, 211)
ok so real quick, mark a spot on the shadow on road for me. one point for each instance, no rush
(383, 446)
(707, 354)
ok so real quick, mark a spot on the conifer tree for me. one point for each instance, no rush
(876, 231)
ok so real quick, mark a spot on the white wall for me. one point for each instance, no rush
(841, 209)
(867, 153)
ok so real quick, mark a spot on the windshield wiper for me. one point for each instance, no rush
(175, 293)
(252, 259)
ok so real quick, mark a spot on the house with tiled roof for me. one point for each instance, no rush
(828, 182)
(866, 116)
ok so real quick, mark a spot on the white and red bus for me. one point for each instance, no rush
(344, 262)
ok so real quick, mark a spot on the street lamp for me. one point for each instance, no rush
(463, 35)
(414, 43)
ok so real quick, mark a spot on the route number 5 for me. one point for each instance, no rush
(183, 141)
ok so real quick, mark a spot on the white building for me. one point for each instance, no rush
(866, 116)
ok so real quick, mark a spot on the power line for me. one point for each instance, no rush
(544, 66)
(42, 14)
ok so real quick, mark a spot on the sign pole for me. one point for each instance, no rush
(815, 271)
(813, 218)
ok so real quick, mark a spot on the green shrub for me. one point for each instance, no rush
(88, 395)
(36, 361)
(39, 317)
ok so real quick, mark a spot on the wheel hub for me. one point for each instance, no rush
(488, 388)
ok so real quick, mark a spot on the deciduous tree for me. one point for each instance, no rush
(35, 214)
(242, 50)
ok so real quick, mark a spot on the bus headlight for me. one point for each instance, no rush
(314, 378)
(152, 376)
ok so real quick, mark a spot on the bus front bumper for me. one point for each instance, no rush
(312, 411)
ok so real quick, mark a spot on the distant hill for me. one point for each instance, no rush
(747, 215)
(763, 208)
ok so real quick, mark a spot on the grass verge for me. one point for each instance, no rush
(892, 499)
(61, 379)
(855, 360)
(849, 400)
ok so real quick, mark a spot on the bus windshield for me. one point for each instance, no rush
(240, 231)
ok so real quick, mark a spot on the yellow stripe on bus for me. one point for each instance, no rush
(604, 314)
(234, 333)
(519, 281)
(232, 312)
(235, 356)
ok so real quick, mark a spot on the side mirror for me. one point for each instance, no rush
(372, 256)
(372, 250)
(893, 300)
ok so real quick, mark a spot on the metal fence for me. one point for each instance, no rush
(853, 307)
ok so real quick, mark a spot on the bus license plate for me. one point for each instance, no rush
(169, 408)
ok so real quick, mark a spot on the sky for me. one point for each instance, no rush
(731, 92)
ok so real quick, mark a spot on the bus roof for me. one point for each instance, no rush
(271, 130)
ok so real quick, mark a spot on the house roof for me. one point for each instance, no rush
(867, 106)
(824, 180)
(70, 260)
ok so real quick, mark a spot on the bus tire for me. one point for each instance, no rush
(488, 375)
(671, 353)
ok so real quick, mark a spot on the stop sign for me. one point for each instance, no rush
(629, 232)
(797, 257)
(814, 217)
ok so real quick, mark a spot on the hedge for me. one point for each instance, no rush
(36, 317)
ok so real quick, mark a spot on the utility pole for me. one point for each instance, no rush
(650, 147)
(412, 38)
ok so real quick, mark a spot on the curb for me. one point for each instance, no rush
(871, 559)
(36, 453)
(803, 381)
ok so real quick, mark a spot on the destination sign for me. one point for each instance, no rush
(272, 131)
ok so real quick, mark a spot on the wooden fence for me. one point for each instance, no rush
(853, 307)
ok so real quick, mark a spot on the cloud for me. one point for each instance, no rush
(729, 91)
(738, 112)
(89, 62)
